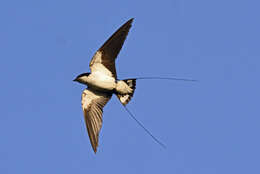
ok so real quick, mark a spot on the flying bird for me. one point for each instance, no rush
(102, 83)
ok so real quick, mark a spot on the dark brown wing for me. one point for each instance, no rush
(92, 105)
(108, 52)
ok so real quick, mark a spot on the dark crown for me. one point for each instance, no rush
(83, 74)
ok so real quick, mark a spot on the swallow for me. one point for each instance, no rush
(102, 83)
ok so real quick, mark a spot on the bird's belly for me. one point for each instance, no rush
(102, 82)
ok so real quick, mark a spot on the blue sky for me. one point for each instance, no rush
(209, 127)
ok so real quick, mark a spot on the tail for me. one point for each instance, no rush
(125, 98)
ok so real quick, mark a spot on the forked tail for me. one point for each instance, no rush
(125, 98)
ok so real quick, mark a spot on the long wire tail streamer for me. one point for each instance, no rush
(166, 78)
(146, 130)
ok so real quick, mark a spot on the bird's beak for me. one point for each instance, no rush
(75, 80)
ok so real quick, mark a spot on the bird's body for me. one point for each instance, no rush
(102, 83)
(105, 83)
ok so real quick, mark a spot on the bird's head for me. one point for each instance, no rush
(82, 78)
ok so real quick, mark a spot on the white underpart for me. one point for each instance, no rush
(123, 88)
(97, 66)
(101, 81)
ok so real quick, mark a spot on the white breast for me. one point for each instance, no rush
(101, 81)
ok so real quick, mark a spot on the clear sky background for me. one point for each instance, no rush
(209, 127)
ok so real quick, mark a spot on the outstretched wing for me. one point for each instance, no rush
(104, 58)
(92, 105)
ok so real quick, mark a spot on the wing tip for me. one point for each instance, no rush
(130, 21)
(95, 150)
(94, 147)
